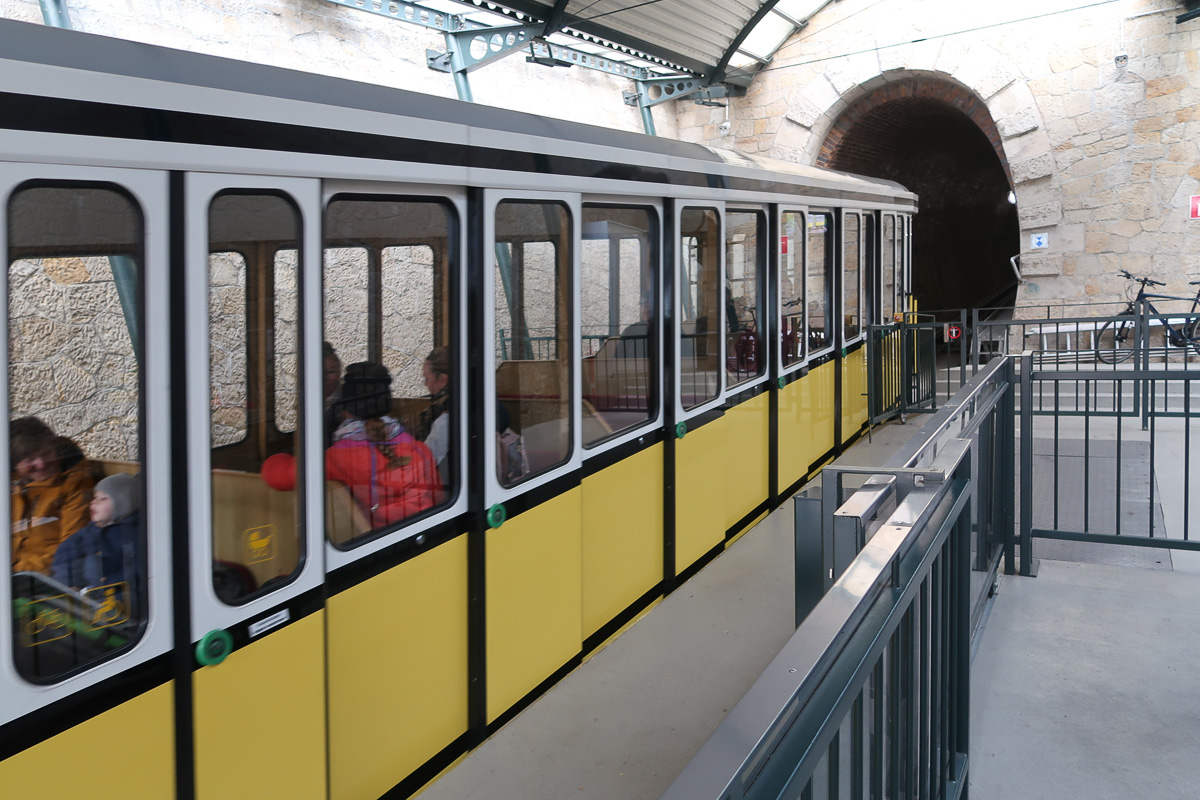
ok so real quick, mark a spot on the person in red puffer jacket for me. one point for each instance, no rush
(391, 475)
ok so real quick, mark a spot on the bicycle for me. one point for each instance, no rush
(1116, 332)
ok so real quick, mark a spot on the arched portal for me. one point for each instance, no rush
(938, 140)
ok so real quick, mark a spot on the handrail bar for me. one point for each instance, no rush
(845, 624)
(911, 451)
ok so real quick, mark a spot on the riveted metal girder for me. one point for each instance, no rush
(655, 91)
(412, 13)
(544, 52)
(472, 49)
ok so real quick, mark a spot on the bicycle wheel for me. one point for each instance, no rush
(1115, 341)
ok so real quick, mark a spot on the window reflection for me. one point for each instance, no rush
(254, 271)
(791, 288)
(745, 265)
(619, 329)
(819, 287)
(851, 277)
(389, 361)
(701, 297)
(78, 539)
(532, 304)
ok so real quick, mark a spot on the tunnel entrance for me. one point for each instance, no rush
(938, 140)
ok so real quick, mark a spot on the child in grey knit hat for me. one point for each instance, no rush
(108, 551)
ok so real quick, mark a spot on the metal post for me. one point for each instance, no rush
(974, 341)
(648, 121)
(810, 555)
(458, 68)
(1027, 568)
(962, 347)
(1141, 359)
(54, 14)
(1008, 437)
(905, 367)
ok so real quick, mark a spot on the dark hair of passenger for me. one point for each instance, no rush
(439, 360)
(27, 436)
(366, 395)
(366, 390)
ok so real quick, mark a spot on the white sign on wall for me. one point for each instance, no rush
(1039, 241)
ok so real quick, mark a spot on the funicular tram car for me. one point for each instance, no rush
(646, 345)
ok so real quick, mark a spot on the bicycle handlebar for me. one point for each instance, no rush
(1143, 281)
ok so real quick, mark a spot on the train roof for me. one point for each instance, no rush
(159, 76)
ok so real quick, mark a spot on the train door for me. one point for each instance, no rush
(699, 313)
(394, 485)
(889, 265)
(620, 356)
(747, 403)
(87, 628)
(855, 314)
(531, 439)
(252, 257)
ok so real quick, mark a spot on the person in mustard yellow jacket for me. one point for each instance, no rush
(51, 488)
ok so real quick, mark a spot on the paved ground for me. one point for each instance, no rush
(1085, 685)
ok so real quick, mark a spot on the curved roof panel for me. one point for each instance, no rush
(705, 37)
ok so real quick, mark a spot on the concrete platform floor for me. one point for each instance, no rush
(1086, 685)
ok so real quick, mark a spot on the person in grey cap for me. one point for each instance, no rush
(108, 551)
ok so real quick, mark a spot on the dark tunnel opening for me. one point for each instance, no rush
(966, 229)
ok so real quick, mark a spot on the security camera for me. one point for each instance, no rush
(723, 128)
(1121, 60)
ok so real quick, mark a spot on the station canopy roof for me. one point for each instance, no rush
(719, 40)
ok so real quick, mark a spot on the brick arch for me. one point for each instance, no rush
(894, 101)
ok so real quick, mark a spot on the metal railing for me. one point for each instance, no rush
(1106, 456)
(912, 366)
(1079, 340)
(869, 698)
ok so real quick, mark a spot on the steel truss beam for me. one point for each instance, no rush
(471, 45)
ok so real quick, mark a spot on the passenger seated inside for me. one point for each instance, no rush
(510, 448)
(108, 550)
(51, 485)
(331, 386)
(391, 475)
(434, 426)
(635, 338)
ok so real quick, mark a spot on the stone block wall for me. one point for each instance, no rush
(71, 360)
(1103, 158)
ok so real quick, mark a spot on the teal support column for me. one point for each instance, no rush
(54, 14)
(124, 269)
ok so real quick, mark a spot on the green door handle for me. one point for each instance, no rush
(213, 647)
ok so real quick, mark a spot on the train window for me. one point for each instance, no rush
(286, 342)
(533, 345)
(819, 281)
(852, 280)
(791, 289)
(389, 363)
(75, 427)
(254, 276)
(700, 305)
(888, 270)
(869, 277)
(745, 266)
(905, 277)
(619, 330)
